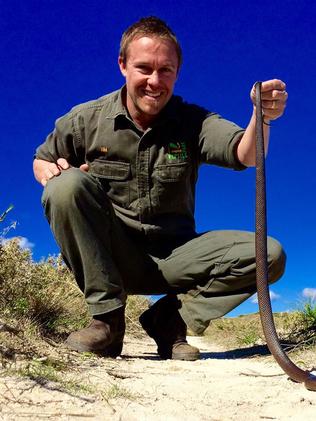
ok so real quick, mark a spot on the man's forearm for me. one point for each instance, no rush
(246, 150)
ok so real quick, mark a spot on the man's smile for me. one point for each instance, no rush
(153, 94)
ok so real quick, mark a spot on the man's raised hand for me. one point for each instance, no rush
(273, 96)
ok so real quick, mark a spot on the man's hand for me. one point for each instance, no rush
(274, 97)
(44, 170)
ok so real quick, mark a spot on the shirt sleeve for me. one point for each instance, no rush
(65, 141)
(218, 141)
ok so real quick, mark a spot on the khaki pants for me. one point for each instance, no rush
(211, 273)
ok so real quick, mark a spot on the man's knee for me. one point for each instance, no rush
(63, 190)
(276, 260)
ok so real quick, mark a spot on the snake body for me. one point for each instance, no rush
(266, 316)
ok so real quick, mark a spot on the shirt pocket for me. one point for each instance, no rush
(171, 187)
(115, 177)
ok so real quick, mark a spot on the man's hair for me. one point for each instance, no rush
(150, 26)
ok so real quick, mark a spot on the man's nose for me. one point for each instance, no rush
(154, 79)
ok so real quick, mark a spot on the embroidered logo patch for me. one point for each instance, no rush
(104, 149)
(177, 150)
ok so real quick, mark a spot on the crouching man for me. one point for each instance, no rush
(119, 174)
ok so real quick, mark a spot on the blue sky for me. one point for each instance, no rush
(55, 54)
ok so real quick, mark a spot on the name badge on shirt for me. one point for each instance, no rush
(177, 151)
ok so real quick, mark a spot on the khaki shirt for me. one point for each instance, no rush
(149, 176)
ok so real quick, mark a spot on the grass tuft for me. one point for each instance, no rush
(302, 326)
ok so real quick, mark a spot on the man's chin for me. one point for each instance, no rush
(152, 110)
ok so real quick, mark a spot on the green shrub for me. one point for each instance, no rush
(47, 295)
(43, 292)
(309, 315)
(299, 327)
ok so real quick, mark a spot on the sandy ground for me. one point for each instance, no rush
(139, 387)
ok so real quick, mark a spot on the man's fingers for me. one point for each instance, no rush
(274, 96)
(274, 89)
(45, 170)
(52, 170)
(273, 105)
(274, 84)
(63, 163)
(84, 167)
(273, 109)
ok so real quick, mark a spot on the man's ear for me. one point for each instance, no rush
(122, 66)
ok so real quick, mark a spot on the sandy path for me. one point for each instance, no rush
(140, 387)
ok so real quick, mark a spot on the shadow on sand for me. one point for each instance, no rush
(238, 353)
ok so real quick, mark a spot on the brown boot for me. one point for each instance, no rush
(163, 323)
(103, 336)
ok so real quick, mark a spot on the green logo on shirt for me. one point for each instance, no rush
(177, 151)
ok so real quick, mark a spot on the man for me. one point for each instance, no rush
(119, 175)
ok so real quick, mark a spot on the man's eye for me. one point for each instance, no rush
(144, 69)
(168, 71)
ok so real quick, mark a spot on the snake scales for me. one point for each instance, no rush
(267, 321)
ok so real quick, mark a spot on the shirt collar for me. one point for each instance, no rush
(118, 107)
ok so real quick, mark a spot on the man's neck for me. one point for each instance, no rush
(141, 120)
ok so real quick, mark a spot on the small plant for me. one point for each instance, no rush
(242, 331)
(248, 335)
(12, 225)
(115, 391)
(309, 315)
(4, 214)
(299, 327)
(40, 371)
(306, 326)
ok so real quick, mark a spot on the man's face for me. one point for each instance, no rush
(150, 70)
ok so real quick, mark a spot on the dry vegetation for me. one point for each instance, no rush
(244, 337)
(40, 304)
(297, 328)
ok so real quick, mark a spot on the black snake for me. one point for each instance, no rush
(294, 372)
